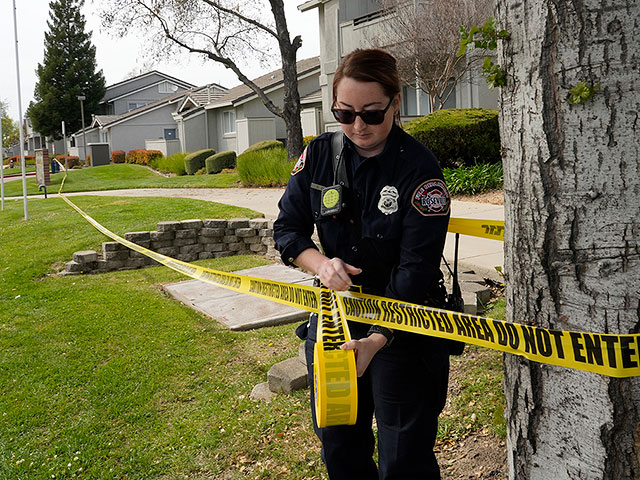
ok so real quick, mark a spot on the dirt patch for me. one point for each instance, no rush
(494, 197)
(480, 455)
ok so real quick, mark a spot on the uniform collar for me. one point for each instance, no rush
(393, 139)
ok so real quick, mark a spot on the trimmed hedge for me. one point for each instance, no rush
(118, 156)
(195, 161)
(219, 161)
(28, 160)
(71, 159)
(459, 136)
(265, 168)
(264, 145)
(142, 157)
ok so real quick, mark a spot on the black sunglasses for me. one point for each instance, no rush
(370, 117)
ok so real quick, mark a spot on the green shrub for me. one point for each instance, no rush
(118, 156)
(142, 157)
(71, 160)
(219, 161)
(195, 161)
(265, 168)
(28, 160)
(307, 139)
(171, 164)
(264, 145)
(473, 180)
(459, 136)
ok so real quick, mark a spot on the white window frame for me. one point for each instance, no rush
(167, 87)
(229, 122)
(134, 105)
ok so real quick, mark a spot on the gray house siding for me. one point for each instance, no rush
(132, 133)
(131, 85)
(143, 97)
(195, 132)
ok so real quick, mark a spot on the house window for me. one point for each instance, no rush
(169, 133)
(167, 87)
(134, 105)
(409, 101)
(229, 121)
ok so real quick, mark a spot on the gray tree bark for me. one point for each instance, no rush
(572, 209)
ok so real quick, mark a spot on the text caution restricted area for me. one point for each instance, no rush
(335, 377)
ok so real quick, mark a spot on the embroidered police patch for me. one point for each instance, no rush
(431, 198)
(388, 203)
(300, 163)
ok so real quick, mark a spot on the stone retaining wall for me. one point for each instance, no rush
(187, 240)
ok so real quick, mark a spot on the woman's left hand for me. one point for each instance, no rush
(365, 349)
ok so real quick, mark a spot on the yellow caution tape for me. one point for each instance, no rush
(611, 355)
(334, 369)
(493, 229)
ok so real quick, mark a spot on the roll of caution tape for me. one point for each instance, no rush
(334, 370)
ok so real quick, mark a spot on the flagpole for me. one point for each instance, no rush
(1, 168)
(21, 123)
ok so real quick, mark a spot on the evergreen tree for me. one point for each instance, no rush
(69, 69)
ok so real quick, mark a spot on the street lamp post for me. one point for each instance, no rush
(82, 98)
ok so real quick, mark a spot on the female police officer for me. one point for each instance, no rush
(383, 228)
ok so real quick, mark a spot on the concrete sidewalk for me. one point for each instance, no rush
(478, 254)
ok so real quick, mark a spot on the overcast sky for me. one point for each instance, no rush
(116, 57)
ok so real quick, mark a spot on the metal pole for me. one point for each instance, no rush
(20, 124)
(1, 167)
(64, 144)
(84, 137)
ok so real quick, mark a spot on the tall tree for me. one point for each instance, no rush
(224, 31)
(69, 69)
(571, 144)
(10, 133)
(424, 35)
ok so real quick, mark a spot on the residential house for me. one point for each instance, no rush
(346, 25)
(238, 119)
(138, 114)
(139, 91)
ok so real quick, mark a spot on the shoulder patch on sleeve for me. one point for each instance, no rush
(431, 198)
(299, 166)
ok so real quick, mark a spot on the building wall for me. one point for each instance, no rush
(131, 134)
(133, 84)
(146, 96)
(195, 132)
(253, 130)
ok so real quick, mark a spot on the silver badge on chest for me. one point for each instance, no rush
(388, 203)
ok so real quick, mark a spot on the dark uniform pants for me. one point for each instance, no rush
(406, 386)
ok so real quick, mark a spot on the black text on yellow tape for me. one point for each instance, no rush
(493, 229)
(612, 355)
(334, 370)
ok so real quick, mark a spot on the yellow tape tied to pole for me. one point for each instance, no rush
(335, 379)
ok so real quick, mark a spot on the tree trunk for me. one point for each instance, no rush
(291, 110)
(572, 209)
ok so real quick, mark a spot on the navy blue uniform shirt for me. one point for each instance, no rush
(395, 223)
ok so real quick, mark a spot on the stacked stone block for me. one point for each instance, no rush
(186, 240)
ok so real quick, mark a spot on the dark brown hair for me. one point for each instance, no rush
(370, 65)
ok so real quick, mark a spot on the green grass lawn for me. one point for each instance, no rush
(105, 376)
(119, 176)
(14, 170)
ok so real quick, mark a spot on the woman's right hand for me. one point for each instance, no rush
(334, 273)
